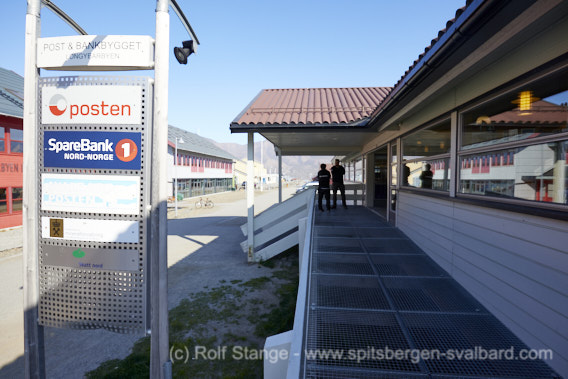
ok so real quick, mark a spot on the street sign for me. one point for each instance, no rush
(96, 53)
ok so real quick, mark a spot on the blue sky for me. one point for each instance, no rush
(249, 45)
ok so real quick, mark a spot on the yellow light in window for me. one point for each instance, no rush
(525, 100)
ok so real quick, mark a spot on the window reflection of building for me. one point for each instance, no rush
(519, 140)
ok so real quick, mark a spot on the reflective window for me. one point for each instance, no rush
(426, 160)
(394, 160)
(3, 200)
(16, 141)
(17, 196)
(531, 122)
(535, 172)
(2, 139)
(534, 111)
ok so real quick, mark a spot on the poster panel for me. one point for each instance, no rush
(110, 194)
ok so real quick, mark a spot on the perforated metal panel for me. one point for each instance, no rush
(113, 294)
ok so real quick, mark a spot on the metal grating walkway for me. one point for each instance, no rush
(372, 290)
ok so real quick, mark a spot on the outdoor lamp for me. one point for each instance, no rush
(182, 53)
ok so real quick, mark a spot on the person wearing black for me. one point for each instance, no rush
(337, 172)
(323, 188)
(426, 177)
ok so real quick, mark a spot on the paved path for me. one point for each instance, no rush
(203, 248)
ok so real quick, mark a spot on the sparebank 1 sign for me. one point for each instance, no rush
(86, 149)
(91, 104)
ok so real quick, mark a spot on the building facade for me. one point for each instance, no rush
(200, 167)
(11, 148)
(467, 155)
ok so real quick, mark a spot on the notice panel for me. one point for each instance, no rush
(94, 52)
(90, 193)
(91, 104)
(86, 149)
(76, 229)
(90, 258)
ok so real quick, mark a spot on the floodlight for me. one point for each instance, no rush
(182, 53)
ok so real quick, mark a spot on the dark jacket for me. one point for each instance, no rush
(323, 179)
(337, 173)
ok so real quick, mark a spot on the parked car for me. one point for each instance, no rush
(306, 186)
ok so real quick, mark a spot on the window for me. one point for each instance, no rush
(16, 141)
(517, 143)
(17, 196)
(2, 139)
(3, 200)
(426, 158)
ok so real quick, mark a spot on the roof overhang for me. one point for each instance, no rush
(323, 139)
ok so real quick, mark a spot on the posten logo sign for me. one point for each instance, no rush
(120, 105)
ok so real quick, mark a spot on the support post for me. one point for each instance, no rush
(250, 197)
(34, 356)
(160, 366)
(279, 153)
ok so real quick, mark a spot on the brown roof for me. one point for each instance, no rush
(312, 106)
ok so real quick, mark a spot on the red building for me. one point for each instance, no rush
(11, 148)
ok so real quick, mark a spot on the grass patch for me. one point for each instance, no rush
(222, 328)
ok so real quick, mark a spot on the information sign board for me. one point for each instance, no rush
(90, 258)
(92, 52)
(94, 180)
(108, 194)
(75, 229)
(86, 149)
(91, 104)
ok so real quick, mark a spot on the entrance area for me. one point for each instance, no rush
(380, 172)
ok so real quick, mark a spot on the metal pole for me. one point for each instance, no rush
(34, 358)
(175, 177)
(160, 366)
(279, 152)
(250, 197)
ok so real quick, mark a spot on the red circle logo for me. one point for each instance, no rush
(57, 105)
(126, 150)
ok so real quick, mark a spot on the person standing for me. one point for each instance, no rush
(426, 177)
(337, 172)
(323, 188)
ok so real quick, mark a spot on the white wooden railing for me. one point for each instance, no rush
(276, 229)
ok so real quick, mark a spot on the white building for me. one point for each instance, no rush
(200, 168)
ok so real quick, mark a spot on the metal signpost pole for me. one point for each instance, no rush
(160, 366)
(175, 177)
(33, 332)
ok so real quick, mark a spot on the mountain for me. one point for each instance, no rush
(300, 167)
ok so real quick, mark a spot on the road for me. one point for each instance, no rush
(203, 248)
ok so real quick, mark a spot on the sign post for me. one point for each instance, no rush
(95, 252)
(34, 358)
